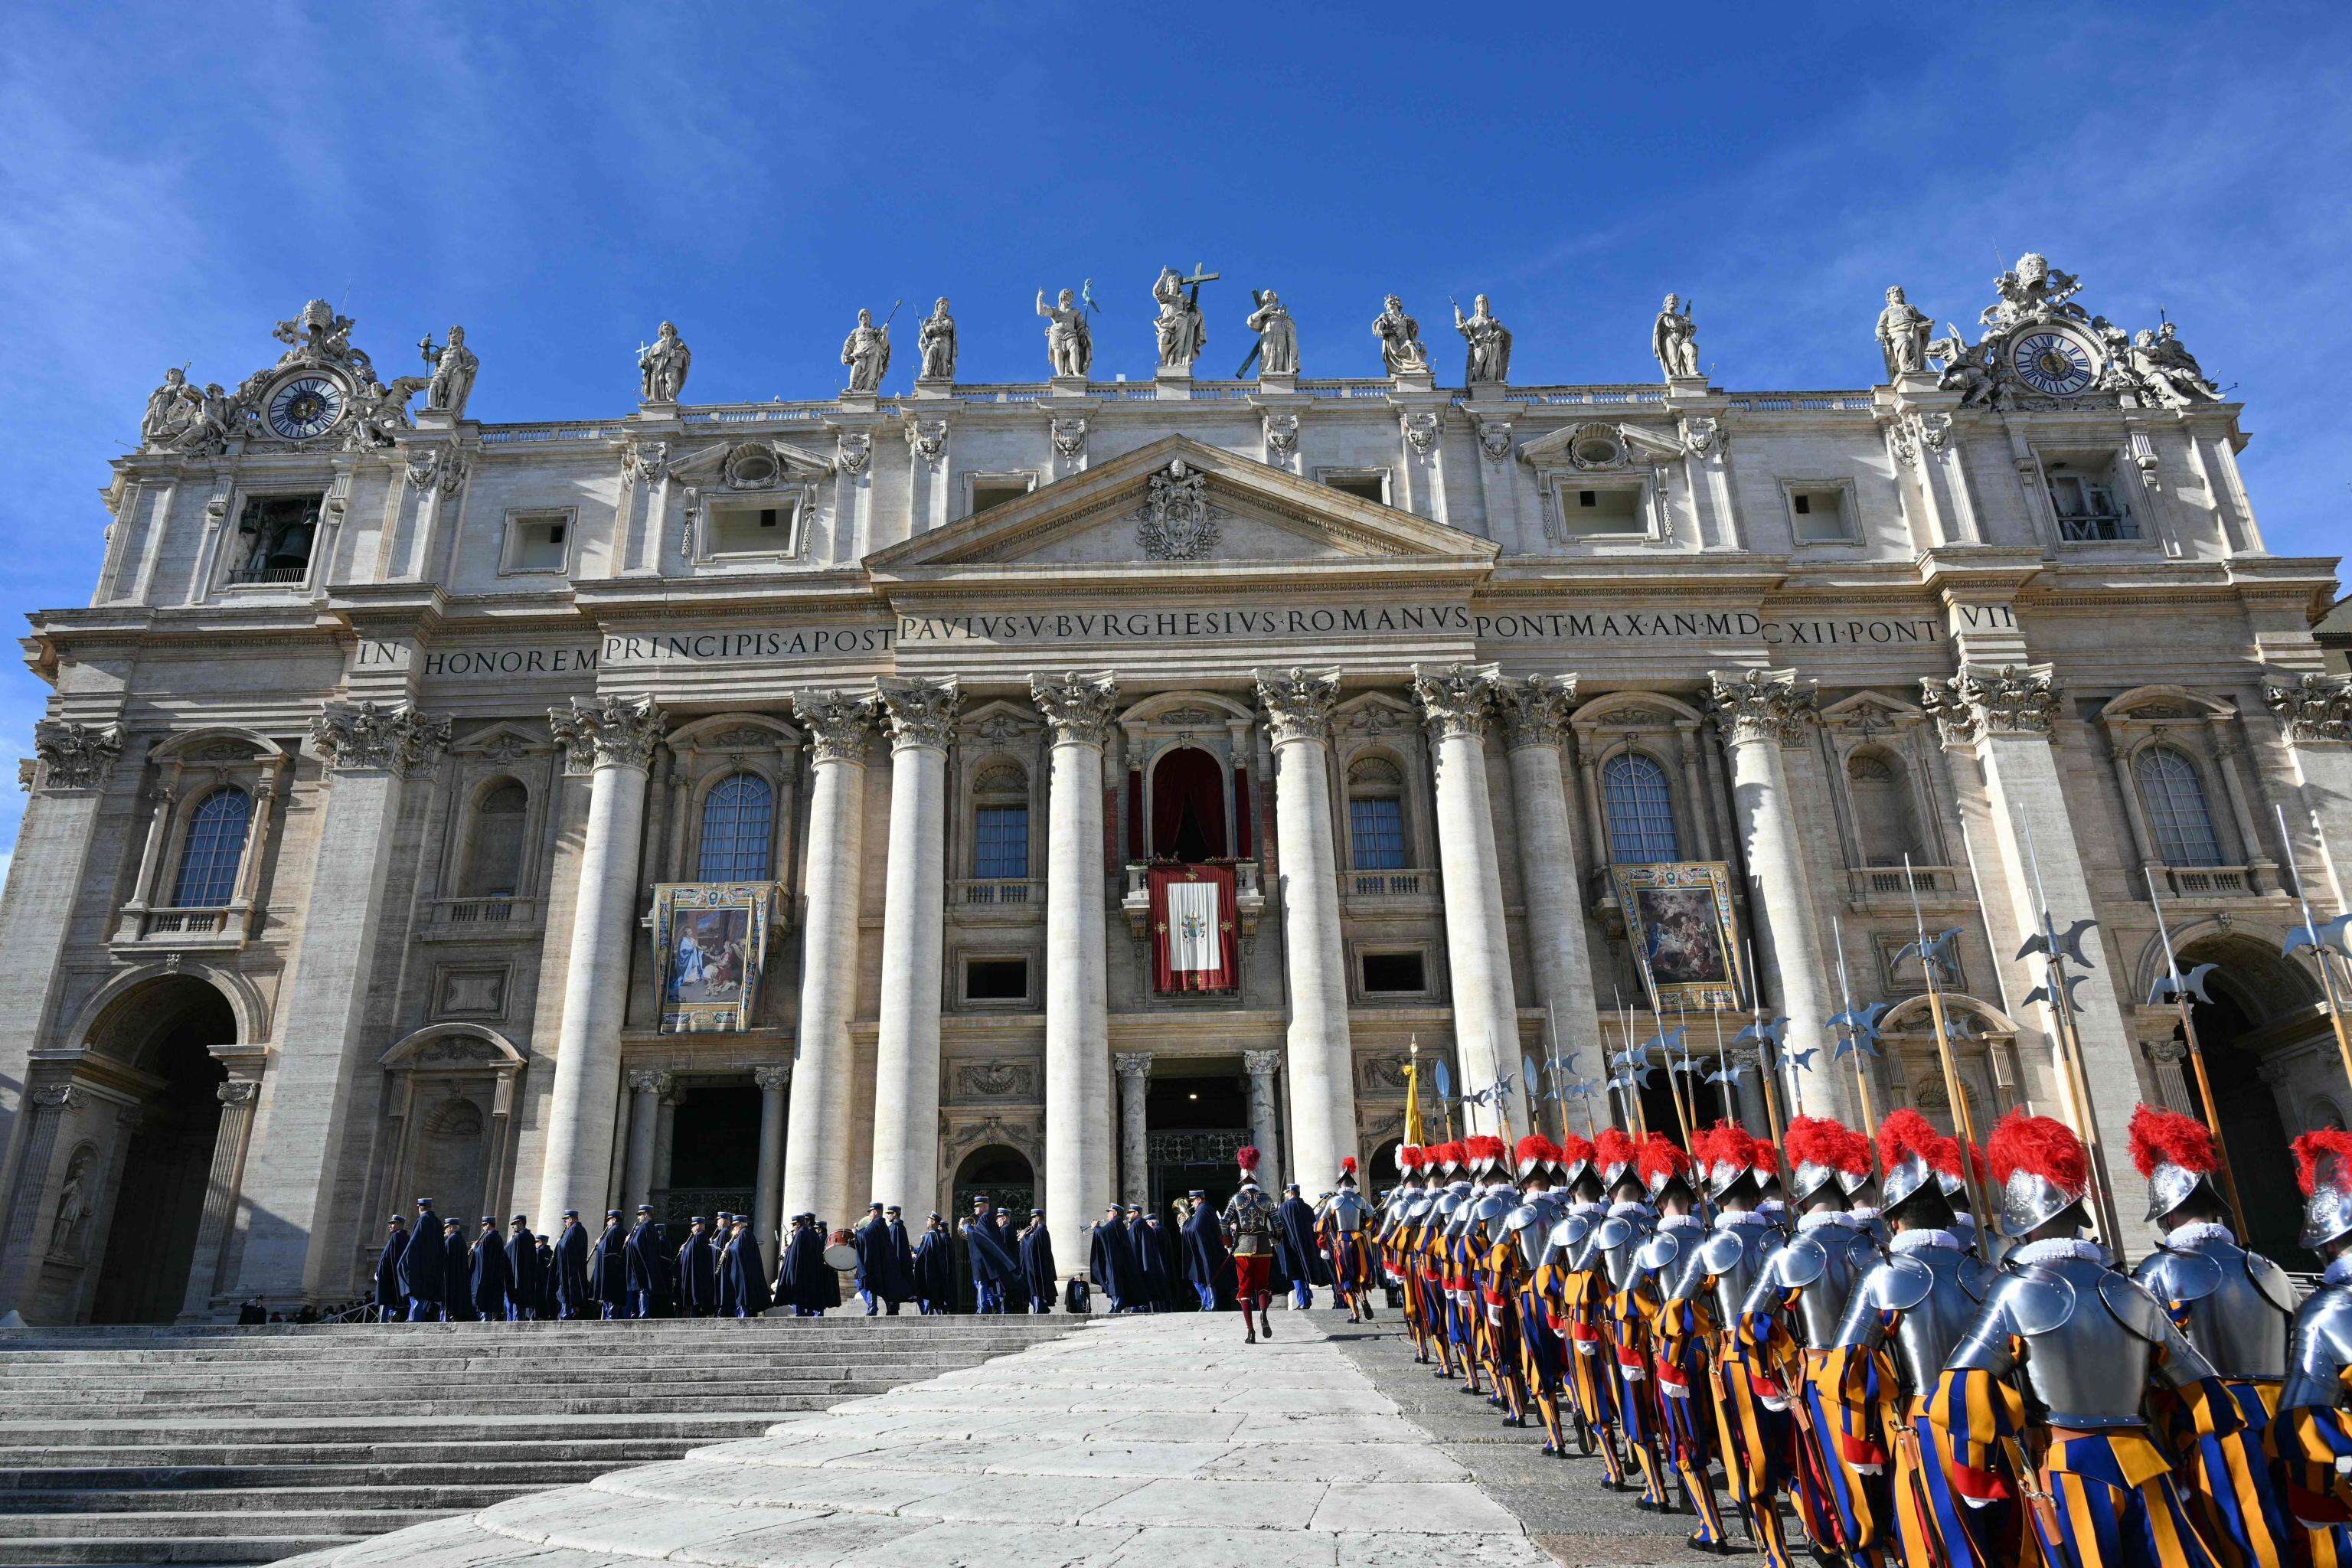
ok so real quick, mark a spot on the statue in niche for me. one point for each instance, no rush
(1904, 330)
(867, 352)
(1069, 344)
(662, 365)
(73, 1202)
(936, 340)
(453, 374)
(1400, 334)
(1674, 339)
(1489, 357)
(1278, 336)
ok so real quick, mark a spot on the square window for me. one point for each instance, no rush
(1820, 513)
(762, 530)
(538, 542)
(277, 533)
(1394, 973)
(996, 980)
(2083, 496)
(1602, 509)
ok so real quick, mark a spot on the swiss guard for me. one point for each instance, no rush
(1609, 1253)
(1512, 1272)
(1567, 1291)
(2048, 1382)
(1679, 1353)
(1342, 1224)
(2238, 1308)
(2314, 1433)
(1249, 1226)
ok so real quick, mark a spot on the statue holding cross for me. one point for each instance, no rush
(1183, 331)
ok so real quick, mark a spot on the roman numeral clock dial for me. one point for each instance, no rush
(305, 407)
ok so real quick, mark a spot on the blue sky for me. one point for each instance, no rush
(561, 178)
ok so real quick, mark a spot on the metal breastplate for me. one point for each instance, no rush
(1939, 1292)
(1566, 1240)
(1737, 1269)
(2321, 1350)
(1347, 1212)
(1822, 1264)
(2091, 1336)
(2238, 1306)
(1619, 1240)
(1662, 1259)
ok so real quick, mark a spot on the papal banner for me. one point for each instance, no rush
(1192, 936)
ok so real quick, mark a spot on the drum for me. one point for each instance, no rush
(842, 1255)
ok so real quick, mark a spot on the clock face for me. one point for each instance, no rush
(2056, 364)
(305, 407)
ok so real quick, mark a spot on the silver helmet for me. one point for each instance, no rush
(2327, 1211)
(2170, 1185)
(1906, 1179)
(2029, 1202)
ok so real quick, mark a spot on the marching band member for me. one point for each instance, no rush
(2313, 1434)
(1680, 1356)
(2238, 1308)
(2083, 1343)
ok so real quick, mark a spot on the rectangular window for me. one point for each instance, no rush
(995, 489)
(1376, 833)
(996, 980)
(2088, 508)
(1000, 842)
(1603, 510)
(1394, 973)
(538, 543)
(1817, 514)
(765, 529)
(1371, 486)
(278, 531)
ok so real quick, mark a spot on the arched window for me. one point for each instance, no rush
(1376, 816)
(2174, 800)
(1000, 824)
(738, 820)
(1883, 817)
(494, 843)
(1639, 810)
(1188, 806)
(214, 849)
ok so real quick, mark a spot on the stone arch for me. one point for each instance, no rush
(100, 1015)
(1986, 1066)
(449, 1096)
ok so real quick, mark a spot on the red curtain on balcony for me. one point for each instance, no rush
(1194, 939)
(1188, 806)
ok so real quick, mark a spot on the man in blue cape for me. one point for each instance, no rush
(457, 1272)
(993, 1270)
(902, 1258)
(797, 1283)
(487, 1258)
(608, 1270)
(1207, 1264)
(422, 1266)
(390, 1304)
(878, 1262)
(524, 1282)
(1037, 1272)
(549, 1309)
(1299, 1247)
(643, 1250)
(743, 1273)
(1110, 1259)
(698, 1271)
(571, 1271)
(935, 1268)
(1150, 1259)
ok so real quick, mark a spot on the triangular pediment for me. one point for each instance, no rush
(1177, 503)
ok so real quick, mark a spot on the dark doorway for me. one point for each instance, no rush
(2249, 1112)
(1661, 1109)
(1194, 1124)
(150, 1239)
(714, 1155)
(1187, 807)
(1001, 1175)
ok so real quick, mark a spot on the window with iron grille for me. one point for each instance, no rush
(2173, 798)
(738, 818)
(1000, 847)
(1639, 809)
(214, 850)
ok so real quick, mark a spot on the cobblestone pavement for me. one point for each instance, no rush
(1157, 1442)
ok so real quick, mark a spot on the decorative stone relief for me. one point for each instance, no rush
(778, 1075)
(1380, 1073)
(1421, 427)
(1131, 1064)
(996, 1081)
(2313, 707)
(839, 723)
(237, 1091)
(2015, 700)
(472, 993)
(856, 450)
(434, 468)
(1262, 1064)
(1702, 435)
(919, 712)
(927, 439)
(1457, 699)
(352, 735)
(1761, 705)
(1299, 703)
(1494, 438)
(647, 461)
(1537, 707)
(1069, 433)
(1077, 707)
(74, 757)
(1176, 521)
(1912, 432)
(621, 730)
(1281, 436)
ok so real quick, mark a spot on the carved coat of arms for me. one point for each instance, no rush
(1177, 522)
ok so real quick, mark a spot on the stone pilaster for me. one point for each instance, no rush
(1551, 871)
(1078, 710)
(614, 739)
(2314, 718)
(1458, 703)
(816, 1168)
(222, 1183)
(920, 715)
(1266, 1119)
(2006, 718)
(1322, 1089)
(767, 1198)
(1134, 1069)
(325, 1036)
(44, 1114)
(646, 1090)
(1758, 714)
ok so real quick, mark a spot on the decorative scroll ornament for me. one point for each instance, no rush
(1177, 522)
(1421, 427)
(1077, 707)
(919, 712)
(354, 735)
(1704, 436)
(1457, 699)
(1281, 436)
(74, 757)
(2313, 707)
(1537, 708)
(617, 730)
(1299, 703)
(1755, 705)
(647, 462)
(2015, 700)
(1911, 433)
(436, 469)
(839, 723)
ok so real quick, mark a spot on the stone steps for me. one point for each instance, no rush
(246, 1446)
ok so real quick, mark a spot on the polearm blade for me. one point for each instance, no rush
(1930, 968)
(2180, 989)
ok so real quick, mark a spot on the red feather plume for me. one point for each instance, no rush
(1450, 1153)
(1660, 1158)
(1248, 1157)
(1535, 1146)
(2039, 1146)
(2161, 1137)
(1725, 1144)
(1348, 1165)
(1826, 1140)
(1407, 1156)
(1575, 1147)
(2314, 1147)
(1904, 1133)
(1613, 1147)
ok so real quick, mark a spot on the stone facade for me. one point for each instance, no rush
(476, 689)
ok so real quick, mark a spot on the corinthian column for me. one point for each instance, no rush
(613, 737)
(46, 1112)
(1322, 1089)
(1550, 868)
(1457, 701)
(816, 1169)
(1078, 710)
(922, 716)
(2314, 718)
(1758, 713)
(302, 1120)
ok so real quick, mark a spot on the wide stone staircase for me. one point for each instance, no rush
(243, 1445)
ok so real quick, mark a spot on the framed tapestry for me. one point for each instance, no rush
(1685, 938)
(711, 946)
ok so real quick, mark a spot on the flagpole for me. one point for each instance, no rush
(1859, 1043)
(2318, 948)
(2062, 1008)
(1953, 1091)
(2195, 1051)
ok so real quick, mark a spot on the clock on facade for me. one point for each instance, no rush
(305, 407)
(2055, 363)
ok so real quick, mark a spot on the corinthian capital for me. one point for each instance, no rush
(2014, 700)
(2312, 707)
(1299, 702)
(1457, 699)
(1077, 707)
(354, 735)
(1537, 707)
(918, 712)
(75, 757)
(617, 732)
(839, 723)
(1752, 705)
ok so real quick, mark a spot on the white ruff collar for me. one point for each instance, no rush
(2056, 1249)
(1682, 1222)
(1586, 1206)
(1628, 1206)
(1820, 1217)
(2196, 1232)
(1913, 1240)
(1730, 1218)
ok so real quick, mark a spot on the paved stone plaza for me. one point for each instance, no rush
(1161, 1441)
